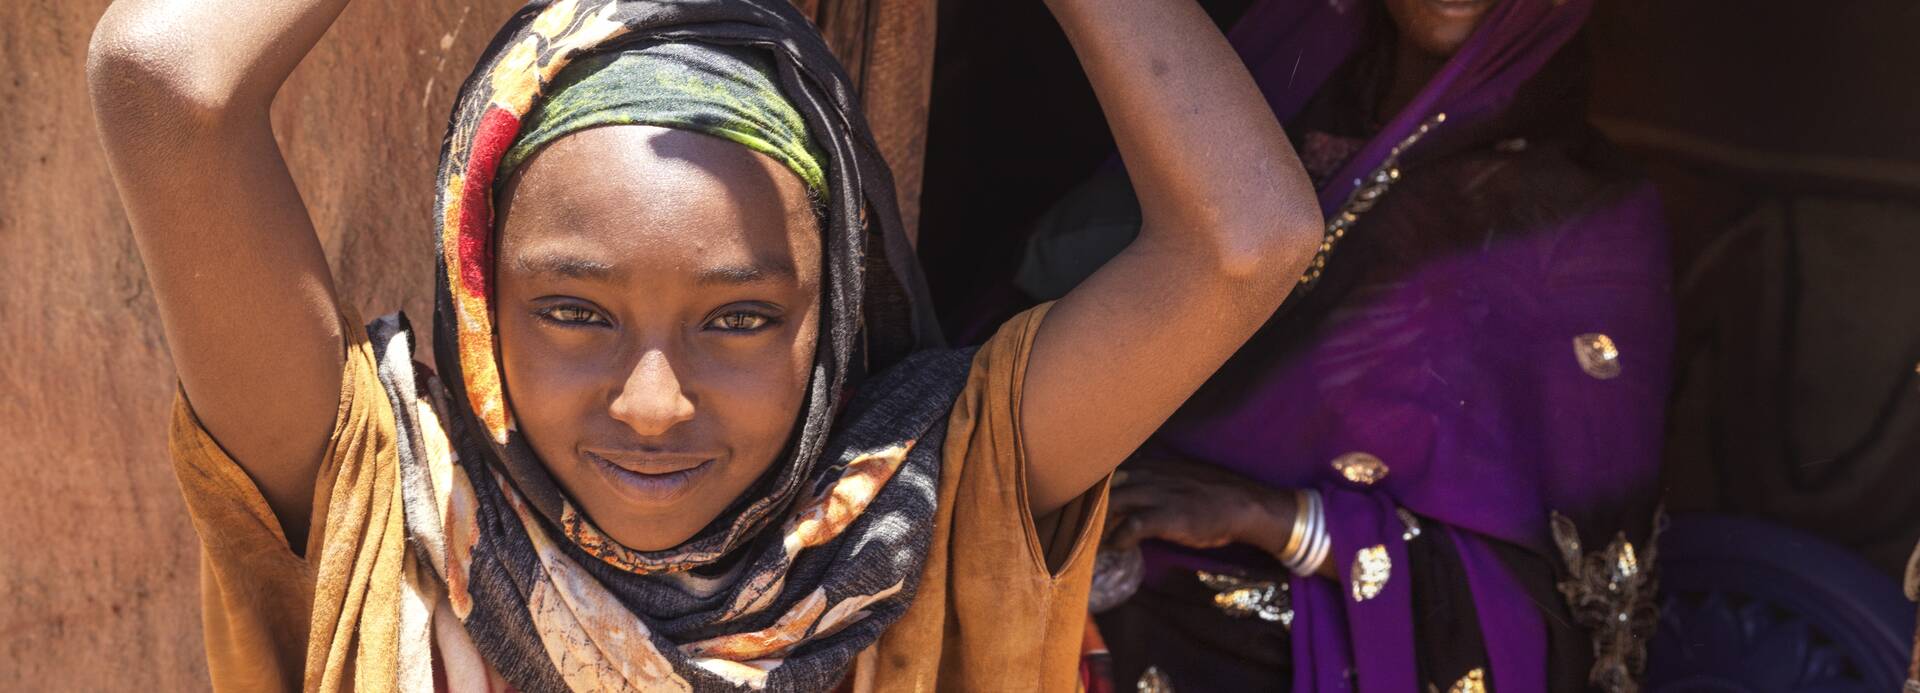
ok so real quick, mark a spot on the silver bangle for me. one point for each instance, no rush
(1314, 544)
(1298, 533)
(1302, 528)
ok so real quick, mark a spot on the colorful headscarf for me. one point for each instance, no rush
(815, 560)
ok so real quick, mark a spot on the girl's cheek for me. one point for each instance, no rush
(765, 379)
(547, 373)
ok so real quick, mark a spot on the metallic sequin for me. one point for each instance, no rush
(1597, 355)
(1412, 523)
(1242, 598)
(1153, 681)
(1361, 468)
(1625, 564)
(1371, 569)
(1474, 682)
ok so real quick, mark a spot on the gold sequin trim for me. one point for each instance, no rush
(1370, 190)
(1474, 682)
(1239, 597)
(1361, 468)
(1597, 355)
(1153, 681)
(1371, 569)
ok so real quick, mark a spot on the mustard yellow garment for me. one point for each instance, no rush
(990, 614)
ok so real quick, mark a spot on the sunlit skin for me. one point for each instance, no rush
(658, 303)
(648, 364)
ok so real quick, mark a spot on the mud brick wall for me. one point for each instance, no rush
(98, 564)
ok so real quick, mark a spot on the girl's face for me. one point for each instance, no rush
(1437, 27)
(657, 302)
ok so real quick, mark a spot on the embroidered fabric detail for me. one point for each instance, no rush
(1239, 597)
(1474, 682)
(1371, 569)
(1597, 355)
(1611, 594)
(1412, 523)
(1361, 468)
(1363, 198)
(1153, 681)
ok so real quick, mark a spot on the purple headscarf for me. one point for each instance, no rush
(1520, 377)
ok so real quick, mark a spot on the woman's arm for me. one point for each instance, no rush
(1229, 221)
(1198, 505)
(181, 90)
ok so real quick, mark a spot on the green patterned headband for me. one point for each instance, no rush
(724, 91)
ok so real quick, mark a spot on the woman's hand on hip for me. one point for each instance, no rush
(1197, 505)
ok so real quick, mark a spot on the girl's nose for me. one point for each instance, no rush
(652, 400)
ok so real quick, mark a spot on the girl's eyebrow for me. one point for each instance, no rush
(747, 274)
(563, 265)
(570, 266)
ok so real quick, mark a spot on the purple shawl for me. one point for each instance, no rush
(1461, 374)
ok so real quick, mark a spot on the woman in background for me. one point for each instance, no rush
(1454, 425)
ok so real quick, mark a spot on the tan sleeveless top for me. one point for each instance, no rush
(1001, 606)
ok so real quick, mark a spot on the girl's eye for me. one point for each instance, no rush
(572, 315)
(740, 321)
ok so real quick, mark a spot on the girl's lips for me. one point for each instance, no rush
(672, 483)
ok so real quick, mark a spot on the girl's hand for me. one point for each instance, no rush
(1196, 505)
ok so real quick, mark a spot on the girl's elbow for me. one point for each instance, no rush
(139, 79)
(1271, 248)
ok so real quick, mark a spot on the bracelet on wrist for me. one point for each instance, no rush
(1307, 549)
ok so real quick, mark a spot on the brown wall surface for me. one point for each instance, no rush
(98, 565)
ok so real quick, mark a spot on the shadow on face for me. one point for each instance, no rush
(658, 305)
(1437, 27)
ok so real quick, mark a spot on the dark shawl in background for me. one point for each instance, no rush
(1483, 342)
(812, 563)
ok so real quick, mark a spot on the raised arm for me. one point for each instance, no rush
(1229, 221)
(181, 90)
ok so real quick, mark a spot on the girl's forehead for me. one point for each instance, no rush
(632, 192)
(653, 163)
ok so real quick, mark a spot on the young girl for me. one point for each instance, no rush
(689, 426)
